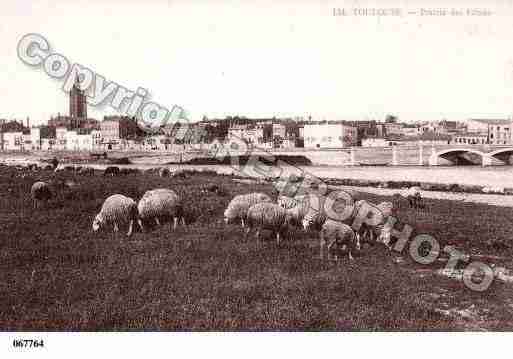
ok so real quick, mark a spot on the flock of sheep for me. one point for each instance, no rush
(254, 211)
(258, 211)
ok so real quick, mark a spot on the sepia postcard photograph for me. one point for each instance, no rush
(252, 168)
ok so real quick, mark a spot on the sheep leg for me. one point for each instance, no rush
(116, 228)
(246, 232)
(139, 222)
(322, 245)
(175, 223)
(329, 246)
(357, 240)
(183, 221)
(278, 238)
(157, 221)
(242, 222)
(257, 235)
(350, 256)
(130, 228)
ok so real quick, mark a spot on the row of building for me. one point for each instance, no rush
(122, 133)
(78, 132)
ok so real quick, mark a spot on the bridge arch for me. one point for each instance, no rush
(453, 154)
(502, 154)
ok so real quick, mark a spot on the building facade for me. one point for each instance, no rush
(117, 130)
(498, 132)
(13, 141)
(329, 136)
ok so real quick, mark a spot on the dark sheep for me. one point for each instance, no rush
(111, 171)
(40, 192)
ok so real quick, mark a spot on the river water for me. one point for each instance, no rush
(470, 175)
(501, 176)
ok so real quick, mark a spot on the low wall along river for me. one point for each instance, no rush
(325, 164)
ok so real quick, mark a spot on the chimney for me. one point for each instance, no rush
(28, 122)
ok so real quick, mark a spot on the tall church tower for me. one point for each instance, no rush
(77, 104)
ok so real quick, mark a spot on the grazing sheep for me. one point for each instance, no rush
(304, 210)
(111, 171)
(54, 162)
(314, 218)
(86, 171)
(267, 215)
(336, 236)
(133, 171)
(180, 173)
(33, 167)
(414, 197)
(239, 206)
(367, 233)
(161, 203)
(117, 209)
(40, 192)
(387, 208)
(164, 172)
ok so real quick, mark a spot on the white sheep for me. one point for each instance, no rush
(117, 209)
(387, 209)
(372, 233)
(310, 218)
(304, 209)
(315, 218)
(239, 206)
(86, 171)
(336, 235)
(414, 196)
(267, 215)
(164, 172)
(161, 203)
(40, 192)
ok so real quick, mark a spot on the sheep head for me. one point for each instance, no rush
(97, 222)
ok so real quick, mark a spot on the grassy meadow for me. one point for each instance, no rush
(56, 274)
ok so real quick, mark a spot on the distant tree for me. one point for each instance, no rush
(390, 119)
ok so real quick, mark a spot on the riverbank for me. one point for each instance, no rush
(450, 179)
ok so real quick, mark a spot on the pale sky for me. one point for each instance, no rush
(256, 58)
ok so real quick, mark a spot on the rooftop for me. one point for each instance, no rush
(492, 121)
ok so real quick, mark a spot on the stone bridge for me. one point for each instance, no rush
(487, 155)
(420, 155)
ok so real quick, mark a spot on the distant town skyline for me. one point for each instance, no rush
(265, 60)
